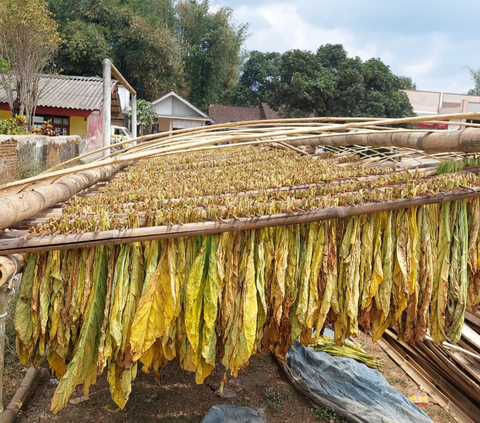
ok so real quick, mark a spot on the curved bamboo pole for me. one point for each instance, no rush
(9, 267)
(200, 138)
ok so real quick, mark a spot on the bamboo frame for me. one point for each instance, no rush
(206, 137)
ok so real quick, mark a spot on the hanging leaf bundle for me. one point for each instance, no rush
(225, 297)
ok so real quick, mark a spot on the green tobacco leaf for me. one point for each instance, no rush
(83, 367)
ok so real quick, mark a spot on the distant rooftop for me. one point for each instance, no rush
(224, 114)
(68, 92)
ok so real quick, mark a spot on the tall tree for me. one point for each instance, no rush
(158, 45)
(28, 40)
(210, 43)
(304, 85)
(150, 59)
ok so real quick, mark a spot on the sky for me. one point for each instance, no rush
(433, 42)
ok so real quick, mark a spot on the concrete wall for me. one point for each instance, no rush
(23, 155)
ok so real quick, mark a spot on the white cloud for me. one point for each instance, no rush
(281, 28)
(433, 46)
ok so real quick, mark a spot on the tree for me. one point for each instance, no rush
(304, 85)
(28, 41)
(383, 95)
(146, 114)
(406, 83)
(475, 74)
(329, 83)
(150, 59)
(210, 44)
(259, 74)
(158, 45)
(83, 50)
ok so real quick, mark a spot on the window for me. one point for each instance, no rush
(61, 124)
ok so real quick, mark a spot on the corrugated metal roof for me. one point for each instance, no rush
(68, 92)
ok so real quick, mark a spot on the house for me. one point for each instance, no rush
(225, 114)
(174, 112)
(428, 103)
(73, 104)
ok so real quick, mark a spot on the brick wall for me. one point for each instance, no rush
(9, 163)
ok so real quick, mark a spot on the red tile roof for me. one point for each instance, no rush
(224, 114)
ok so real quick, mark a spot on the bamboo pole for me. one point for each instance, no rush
(466, 140)
(10, 413)
(116, 237)
(17, 207)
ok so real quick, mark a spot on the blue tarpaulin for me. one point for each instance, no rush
(350, 388)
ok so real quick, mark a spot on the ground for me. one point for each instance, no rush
(175, 398)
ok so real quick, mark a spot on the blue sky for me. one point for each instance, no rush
(433, 42)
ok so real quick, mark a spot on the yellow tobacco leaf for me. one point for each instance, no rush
(317, 260)
(120, 381)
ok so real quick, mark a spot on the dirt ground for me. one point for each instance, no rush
(175, 398)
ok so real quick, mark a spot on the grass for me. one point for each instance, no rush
(398, 381)
(276, 399)
(326, 415)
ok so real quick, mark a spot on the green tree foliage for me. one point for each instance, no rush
(158, 45)
(475, 74)
(150, 59)
(28, 40)
(260, 73)
(84, 48)
(210, 48)
(324, 83)
(406, 83)
(146, 114)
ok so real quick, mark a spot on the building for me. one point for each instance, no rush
(174, 112)
(428, 103)
(73, 104)
(225, 114)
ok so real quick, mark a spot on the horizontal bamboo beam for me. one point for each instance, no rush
(17, 207)
(115, 237)
(465, 140)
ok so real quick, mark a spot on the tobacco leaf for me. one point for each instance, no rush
(83, 366)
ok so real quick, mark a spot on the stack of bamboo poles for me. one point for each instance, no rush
(449, 374)
(247, 260)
